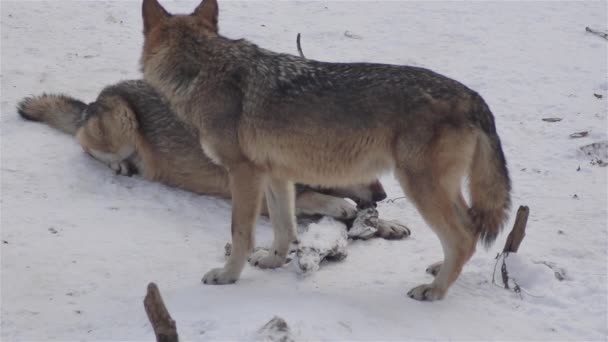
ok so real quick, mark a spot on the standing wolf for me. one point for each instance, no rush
(273, 119)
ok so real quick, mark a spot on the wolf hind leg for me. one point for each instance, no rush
(392, 230)
(432, 178)
(280, 199)
(440, 211)
(246, 186)
(462, 208)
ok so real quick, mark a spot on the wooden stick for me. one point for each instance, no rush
(299, 46)
(163, 324)
(519, 230)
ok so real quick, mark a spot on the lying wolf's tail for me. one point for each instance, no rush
(58, 111)
(489, 178)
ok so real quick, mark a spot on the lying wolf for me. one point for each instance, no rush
(132, 130)
(272, 119)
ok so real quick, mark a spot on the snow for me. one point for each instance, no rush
(324, 239)
(82, 244)
(531, 277)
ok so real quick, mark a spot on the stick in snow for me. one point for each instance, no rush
(597, 33)
(163, 324)
(519, 230)
(299, 46)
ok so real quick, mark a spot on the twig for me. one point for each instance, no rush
(505, 277)
(163, 324)
(392, 200)
(517, 289)
(494, 271)
(558, 272)
(503, 271)
(552, 119)
(597, 33)
(299, 46)
(581, 134)
(519, 230)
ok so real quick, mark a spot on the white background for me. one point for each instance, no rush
(529, 60)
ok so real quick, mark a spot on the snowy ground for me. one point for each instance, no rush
(80, 244)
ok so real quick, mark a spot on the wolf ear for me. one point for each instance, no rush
(208, 11)
(153, 14)
(123, 111)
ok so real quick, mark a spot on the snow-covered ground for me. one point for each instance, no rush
(79, 244)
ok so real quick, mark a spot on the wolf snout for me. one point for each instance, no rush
(378, 193)
(379, 196)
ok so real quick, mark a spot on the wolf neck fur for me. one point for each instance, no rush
(220, 61)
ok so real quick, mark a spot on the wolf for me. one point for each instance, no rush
(131, 128)
(272, 119)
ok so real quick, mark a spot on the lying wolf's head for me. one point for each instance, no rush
(108, 133)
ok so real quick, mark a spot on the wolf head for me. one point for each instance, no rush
(108, 131)
(155, 15)
(175, 45)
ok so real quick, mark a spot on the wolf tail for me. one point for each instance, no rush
(58, 111)
(489, 178)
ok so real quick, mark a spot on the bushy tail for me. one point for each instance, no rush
(58, 111)
(489, 180)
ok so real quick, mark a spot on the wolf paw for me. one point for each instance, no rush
(124, 168)
(392, 230)
(365, 225)
(434, 268)
(219, 276)
(426, 292)
(263, 258)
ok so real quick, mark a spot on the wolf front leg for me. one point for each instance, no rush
(280, 198)
(246, 186)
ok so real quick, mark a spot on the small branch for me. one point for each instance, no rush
(299, 46)
(517, 289)
(558, 272)
(504, 273)
(519, 230)
(392, 200)
(597, 33)
(552, 119)
(163, 324)
(581, 134)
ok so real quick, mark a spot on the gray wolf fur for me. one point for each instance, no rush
(273, 119)
(132, 129)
